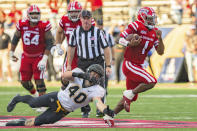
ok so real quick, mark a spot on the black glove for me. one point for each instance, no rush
(93, 80)
(85, 76)
(108, 112)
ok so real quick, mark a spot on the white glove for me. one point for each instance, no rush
(60, 51)
(12, 56)
(42, 63)
(109, 120)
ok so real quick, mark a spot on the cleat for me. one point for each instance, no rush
(127, 103)
(108, 120)
(127, 96)
(20, 122)
(85, 114)
(13, 103)
(99, 114)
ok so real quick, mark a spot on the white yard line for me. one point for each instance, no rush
(117, 96)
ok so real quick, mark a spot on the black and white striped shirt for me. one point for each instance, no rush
(109, 38)
(90, 44)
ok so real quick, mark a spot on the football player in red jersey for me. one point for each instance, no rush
(145, 36)
(37, 41)
(67, 24)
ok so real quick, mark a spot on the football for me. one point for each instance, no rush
(129, 37)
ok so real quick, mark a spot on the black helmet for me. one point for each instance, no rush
(96, 68)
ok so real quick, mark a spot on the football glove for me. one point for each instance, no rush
(109, 120)
(60, 51)
(108, 112)
(42, 63)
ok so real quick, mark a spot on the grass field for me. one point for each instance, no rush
(173, 102)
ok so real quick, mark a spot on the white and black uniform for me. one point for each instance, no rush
(76, 96)
(61, 103)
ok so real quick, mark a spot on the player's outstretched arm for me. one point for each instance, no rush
(109, 114)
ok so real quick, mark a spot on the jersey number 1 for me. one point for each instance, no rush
(80, 97)
(145, 47)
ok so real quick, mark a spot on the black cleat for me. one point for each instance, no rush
(99, 114)
(20, 122)
(85, 114)
(12, 103)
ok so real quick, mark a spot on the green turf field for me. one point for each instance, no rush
(164, 102)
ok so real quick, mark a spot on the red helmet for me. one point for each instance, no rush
(147, 16)
(74, 8)
(33, 13)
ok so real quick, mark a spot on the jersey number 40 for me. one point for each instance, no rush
(79, 98)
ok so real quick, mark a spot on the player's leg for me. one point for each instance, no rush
(47, 100)
(50, 116)
(39, 77)
(40, 85)
(26, 74)
(136, 75)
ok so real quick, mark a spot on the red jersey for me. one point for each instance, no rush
(138, 53)
(68, 26)
(33, 37)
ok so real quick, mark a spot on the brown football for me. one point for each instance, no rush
(129, 37)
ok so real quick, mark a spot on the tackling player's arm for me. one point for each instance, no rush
(109, 114)
(160, 48)
(14, 43)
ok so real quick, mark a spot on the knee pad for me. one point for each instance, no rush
(40, 85)
(27, 85)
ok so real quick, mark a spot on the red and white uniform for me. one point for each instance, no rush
(135, 56)
(33, 48)
(68, 26)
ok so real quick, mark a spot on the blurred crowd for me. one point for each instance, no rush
(178, 9)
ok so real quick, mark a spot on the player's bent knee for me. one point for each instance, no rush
(151, 85)
(27, 85)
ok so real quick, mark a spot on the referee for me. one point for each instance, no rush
(92, 48)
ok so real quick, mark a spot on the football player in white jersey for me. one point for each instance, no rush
(83, 88)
